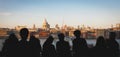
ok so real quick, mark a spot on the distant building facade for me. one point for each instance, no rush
(4, 31)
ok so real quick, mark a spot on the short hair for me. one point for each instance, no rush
(61, 36)
(24, 32)
(77, 32)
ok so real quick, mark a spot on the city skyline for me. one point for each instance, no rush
(93, 13)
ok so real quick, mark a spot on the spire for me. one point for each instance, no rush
(45, 21)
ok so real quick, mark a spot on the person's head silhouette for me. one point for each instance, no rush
(77, 33)
(50, 39)
(112, 35)
(12, 36)
(61, 36)
(24, 33)
(100, 42)
(100, 38)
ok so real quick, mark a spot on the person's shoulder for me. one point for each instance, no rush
(117, 44)
(57, 42)
(36, 39)
(52, 45)
(74, 40)
(7, 40)
(66, 42)
(82, 39)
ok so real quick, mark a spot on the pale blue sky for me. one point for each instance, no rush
(94, 13)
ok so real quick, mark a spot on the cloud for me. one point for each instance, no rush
(5, 14)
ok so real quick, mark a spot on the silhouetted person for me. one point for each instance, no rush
(24, 45)
(48, 48)
(10, 46)
(100, 48)
(62, 47)
(80, 48)
(112, 45)
(35, 46)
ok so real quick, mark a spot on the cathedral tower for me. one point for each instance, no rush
(45, 25)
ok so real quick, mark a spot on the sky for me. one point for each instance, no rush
(93, 13)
